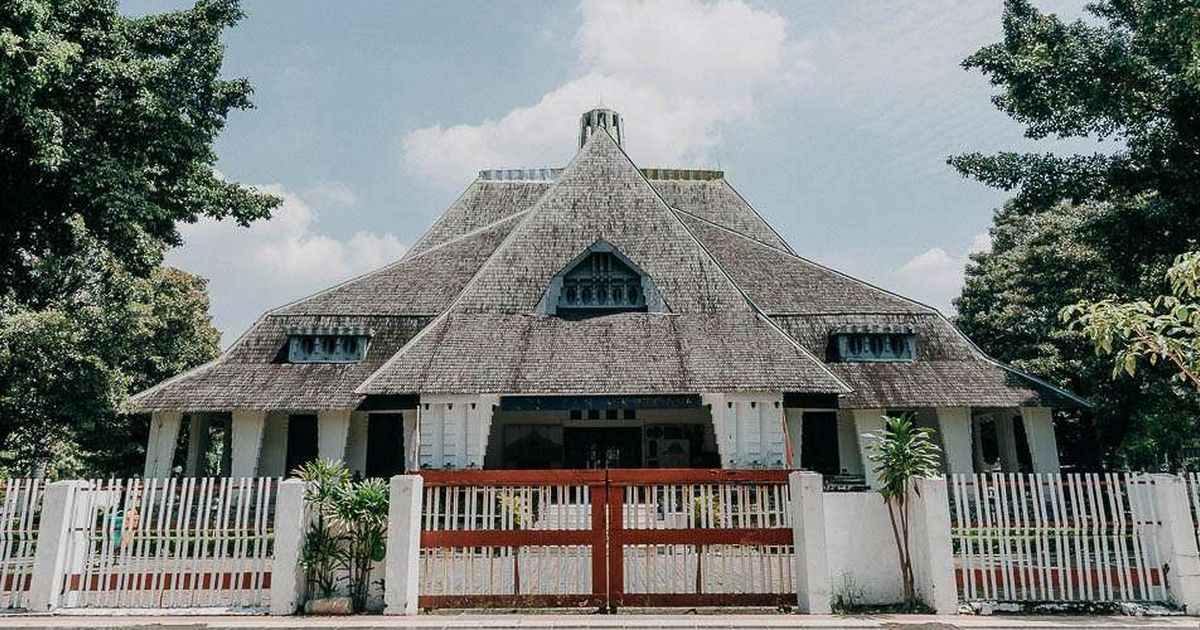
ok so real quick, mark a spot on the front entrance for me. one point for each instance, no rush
(598, 448)
(606, 538)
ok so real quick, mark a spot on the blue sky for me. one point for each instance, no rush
(833, 118)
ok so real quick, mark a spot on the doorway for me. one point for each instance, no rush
(608, 447)
(819, 443)
(385, 445)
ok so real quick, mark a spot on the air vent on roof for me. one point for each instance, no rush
(601, 118)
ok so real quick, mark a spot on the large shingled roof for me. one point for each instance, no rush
(459, 312)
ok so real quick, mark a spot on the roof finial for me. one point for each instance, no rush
(601, 118)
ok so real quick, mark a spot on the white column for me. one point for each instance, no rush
(932, 553)
(1006, 442)
(795, 429)
(867, 421)
(412, 439)
(333, 434)
(51, 562)
(1175, 536)
(198, 442)
(954, 423)
(808, 536)
(401, 588)
(246, 431)
(849, 457)
(356, 450)
(160, 447)
(272, 461)
(287, 576)
(749, 429)
(454, 430)
(1039, 431)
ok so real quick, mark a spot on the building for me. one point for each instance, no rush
(599, 314)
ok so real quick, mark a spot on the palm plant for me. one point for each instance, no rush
(319, 554)
(360, 511)
(902, 452)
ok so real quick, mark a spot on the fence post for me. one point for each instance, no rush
(50, 561)
(1176, 534)
(402, 573)
(932, 553)
(287, 577)
(808, 536)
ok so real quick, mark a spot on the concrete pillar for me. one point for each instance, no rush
(954, 424)
(932, 553)
(160, 447)
(356, 449)
(1043, 445)
(287, 576)
(1165, 502)
(272, 460)
(198, 442)
(402, 586)
(811, 569)
(333, 434)
(1006, 442)
(867, 421)
(52, 561)
(246, 437)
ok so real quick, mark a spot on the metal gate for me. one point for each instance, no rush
(606, 538)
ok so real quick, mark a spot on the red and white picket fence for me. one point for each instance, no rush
(1056, 538)
(606, 538)
(20, 518)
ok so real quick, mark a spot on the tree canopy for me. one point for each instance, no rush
(106, 130)
(1089, 226)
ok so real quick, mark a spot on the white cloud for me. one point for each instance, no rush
(677, 70)
(935, 276)
(252, 269)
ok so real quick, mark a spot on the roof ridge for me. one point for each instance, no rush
(817, 265)
(730, 229)
(760, 216)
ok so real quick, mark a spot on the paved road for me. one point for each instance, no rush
(591, 622)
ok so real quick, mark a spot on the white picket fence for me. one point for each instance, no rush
(20, 511)
(170, 543)
(1042, 538)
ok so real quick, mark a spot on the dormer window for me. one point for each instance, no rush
(343, 344)
(851, 344)
(600, 281)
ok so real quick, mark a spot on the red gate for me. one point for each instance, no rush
(584, 538)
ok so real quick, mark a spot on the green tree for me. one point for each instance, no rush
(106, 131)
(1085, 226)
(901, 453)
(111, 119)
(1165, 329)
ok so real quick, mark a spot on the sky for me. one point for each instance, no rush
(833, 118)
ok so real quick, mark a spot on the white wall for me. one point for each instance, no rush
(860, 548)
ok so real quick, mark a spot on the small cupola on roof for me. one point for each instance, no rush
(601, 118)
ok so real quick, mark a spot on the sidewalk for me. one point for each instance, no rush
(589, 622)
